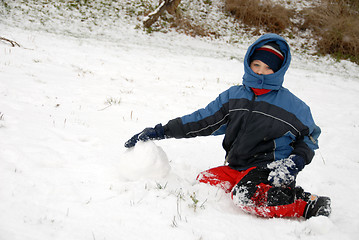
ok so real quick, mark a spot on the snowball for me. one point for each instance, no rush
(319, 225)
(145, 160)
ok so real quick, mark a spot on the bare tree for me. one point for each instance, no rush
(164, 5)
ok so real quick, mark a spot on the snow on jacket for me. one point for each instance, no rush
(257, 129)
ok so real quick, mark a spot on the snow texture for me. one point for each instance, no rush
(280, 174)
(69, 102)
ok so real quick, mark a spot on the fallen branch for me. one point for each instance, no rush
(13, 43)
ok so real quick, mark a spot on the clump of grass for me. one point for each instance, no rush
(187, 26)
(260, 14)
(195, 202)
(113, 101)
(335, 24)
(160, 186)
(180, 21)
(110, 102)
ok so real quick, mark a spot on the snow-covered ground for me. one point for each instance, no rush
(68, 104)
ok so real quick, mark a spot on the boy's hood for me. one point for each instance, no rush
(272, 81)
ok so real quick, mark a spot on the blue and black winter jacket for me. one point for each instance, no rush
(257, 129)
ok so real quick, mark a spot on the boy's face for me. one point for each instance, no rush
(260, 68)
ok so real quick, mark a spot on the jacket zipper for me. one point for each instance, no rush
(251, 106)
(250, 111)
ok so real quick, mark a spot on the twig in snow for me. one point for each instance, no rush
(174, 222)
(322, 157)
(105, 107)
(13, 43)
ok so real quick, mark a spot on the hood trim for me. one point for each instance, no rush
(272, 81)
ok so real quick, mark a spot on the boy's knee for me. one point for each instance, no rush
(251, 189)
(241, 196)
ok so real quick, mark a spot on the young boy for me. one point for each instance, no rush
(269, 136)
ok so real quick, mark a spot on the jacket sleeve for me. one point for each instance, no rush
(307, 143)
(210, 120)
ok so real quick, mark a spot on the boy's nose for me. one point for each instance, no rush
(259, 72)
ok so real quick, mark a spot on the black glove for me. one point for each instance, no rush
(156, 133)
(285, 171)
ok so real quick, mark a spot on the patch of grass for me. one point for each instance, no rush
(263, 14)
(335, 24)
(160, 186)
(113, 101)
(195, 202)
(187, 26)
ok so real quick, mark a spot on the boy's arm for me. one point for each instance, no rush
(210, 120)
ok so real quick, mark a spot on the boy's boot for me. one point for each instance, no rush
(317, 206)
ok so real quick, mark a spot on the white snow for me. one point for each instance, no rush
(69, 104)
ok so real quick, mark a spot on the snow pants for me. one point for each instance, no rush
(251, 191)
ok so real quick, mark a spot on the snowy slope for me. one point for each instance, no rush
(68, 105)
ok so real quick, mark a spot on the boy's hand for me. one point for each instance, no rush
(156, 133)
(283, 172)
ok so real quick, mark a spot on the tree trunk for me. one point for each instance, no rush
(165, 5)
